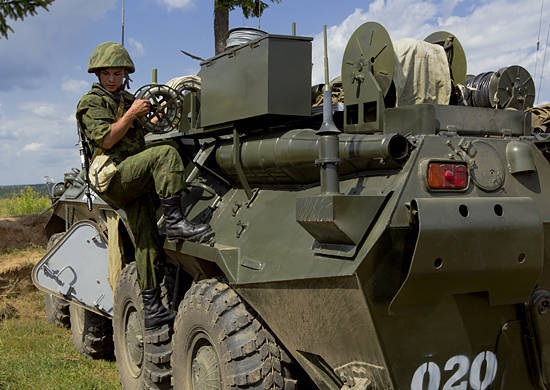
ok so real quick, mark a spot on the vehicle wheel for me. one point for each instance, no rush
(57, 310)
(142, 362)
(92, 333)
(219, 343)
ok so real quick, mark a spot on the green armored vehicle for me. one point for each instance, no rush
(393, 238)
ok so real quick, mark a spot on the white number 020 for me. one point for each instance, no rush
(431, 374)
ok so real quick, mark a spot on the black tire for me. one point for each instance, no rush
(92, 333)
(220, 344)
(57, 310)
(142, 361)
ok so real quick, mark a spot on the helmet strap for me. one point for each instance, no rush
(126, 82)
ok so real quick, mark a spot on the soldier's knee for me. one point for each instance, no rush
(166, 151)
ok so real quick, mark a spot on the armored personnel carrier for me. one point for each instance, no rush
(393, 238)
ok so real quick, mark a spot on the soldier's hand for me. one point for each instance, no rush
(140, 107)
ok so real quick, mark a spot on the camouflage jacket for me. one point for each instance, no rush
(95, 113)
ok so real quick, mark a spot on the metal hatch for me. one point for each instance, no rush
(76, 269)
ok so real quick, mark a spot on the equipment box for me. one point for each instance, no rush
(270, 75)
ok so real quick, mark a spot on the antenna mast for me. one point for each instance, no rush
(122, 22)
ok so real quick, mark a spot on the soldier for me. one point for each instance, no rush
(130, 177)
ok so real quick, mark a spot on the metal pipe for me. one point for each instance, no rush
(192, 109)
(290, 158)
(154, 76)
(293, 29)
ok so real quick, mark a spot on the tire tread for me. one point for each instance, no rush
(235, 321)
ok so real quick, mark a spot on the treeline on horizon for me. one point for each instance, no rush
(12, 190)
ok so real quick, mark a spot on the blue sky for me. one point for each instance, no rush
(43, 64)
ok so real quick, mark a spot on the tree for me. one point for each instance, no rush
(19, 9)
(254, 8)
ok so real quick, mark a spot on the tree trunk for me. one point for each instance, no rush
(221, 26)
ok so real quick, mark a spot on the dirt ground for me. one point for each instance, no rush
(22, 232)
(22, 245)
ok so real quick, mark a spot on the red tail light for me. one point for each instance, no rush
(451, 176)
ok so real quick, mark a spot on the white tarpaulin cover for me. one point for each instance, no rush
(421, 73)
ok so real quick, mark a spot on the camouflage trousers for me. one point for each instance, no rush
(154, 171)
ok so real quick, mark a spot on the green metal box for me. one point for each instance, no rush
(270, 75)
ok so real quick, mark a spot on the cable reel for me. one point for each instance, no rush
(166, 108)
(455, 53)
(190, 88)
(512, 87)
(367, 76)
(509, 87)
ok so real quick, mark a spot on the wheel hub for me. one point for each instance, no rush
(134, 341)
(205, 369)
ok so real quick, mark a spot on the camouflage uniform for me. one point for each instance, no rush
(141, 173)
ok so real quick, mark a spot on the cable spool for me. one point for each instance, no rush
(190, 88)
(242, 35)
(509, 87)
(477, 90)
(166, 107)
(512, 87)
(455, 53)
(367, 76)
(185, 83)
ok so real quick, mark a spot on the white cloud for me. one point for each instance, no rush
(175, 4)
(40, 110)
(43, 142)
(32, 147)
(76, 87)
(135, 48)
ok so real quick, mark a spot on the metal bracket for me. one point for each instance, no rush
(238, 165)
(241, 226)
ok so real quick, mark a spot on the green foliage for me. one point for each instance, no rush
(249, 7)
(18, 10)
(25, 202)
(9, 191)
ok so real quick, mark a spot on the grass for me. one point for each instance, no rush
(25, 202)
(35, 354)
(12, 260)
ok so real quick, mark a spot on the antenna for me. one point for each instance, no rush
(328, 133)
(543, 62)
(327, 82)
(122, 22)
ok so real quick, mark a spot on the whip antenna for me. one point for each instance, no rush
(543, 63)
(122, 23)
(328, 133)
(538, 40)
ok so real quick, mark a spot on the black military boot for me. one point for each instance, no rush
(155, 313)
(177, 227)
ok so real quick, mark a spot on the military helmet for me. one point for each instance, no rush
(110, 55)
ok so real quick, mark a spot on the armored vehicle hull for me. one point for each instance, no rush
(424, 270)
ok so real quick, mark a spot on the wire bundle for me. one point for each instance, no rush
(478, 90)
(242, 35)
